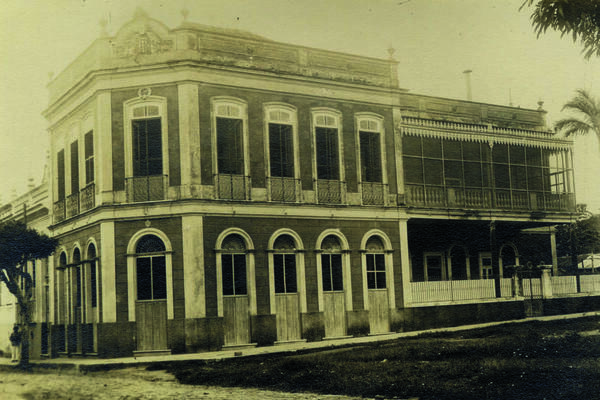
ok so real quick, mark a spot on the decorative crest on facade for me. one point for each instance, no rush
(143, 93)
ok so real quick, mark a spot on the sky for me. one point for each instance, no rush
(434, 42)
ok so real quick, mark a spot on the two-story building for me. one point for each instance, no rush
(213, 188)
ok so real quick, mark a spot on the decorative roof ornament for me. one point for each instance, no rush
(185, 13)
(391, 52)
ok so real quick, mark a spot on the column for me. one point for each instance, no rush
(193, 266)
(189, 136)
(108, 276)
(405, 263)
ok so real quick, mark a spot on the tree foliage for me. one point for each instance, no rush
(579, 19)
(18, 245)
(585, 119)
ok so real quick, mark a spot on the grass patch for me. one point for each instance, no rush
(533, 360)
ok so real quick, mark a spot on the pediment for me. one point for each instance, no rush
(142, 36)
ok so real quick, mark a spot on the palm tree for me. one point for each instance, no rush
(586, 119)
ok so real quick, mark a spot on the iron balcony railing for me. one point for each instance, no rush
(284, 189)
(59, 211)
(146, 188)
(330, 191)
(232, 187)
(439, 196)
(72, 205)
(87, 198)
(373, 193)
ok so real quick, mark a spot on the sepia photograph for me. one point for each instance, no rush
(300, 199)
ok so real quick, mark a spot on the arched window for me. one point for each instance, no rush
(77, 278)
(151, 268)
(91, 255)
(331, 264)
(233, 264)
(284, 265)
(375, 257)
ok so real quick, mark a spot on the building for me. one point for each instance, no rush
(213, 188)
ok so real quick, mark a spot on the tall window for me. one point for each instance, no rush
(93, 274)
(60, 171)
(284, 260)
(77, 286)
(229, 127)
(331, 264)
(327, 147)
(147, 147)
(370, 150)
(74, 167)
(89, 157)
(281, 150)
(375, 258)
(151, 268)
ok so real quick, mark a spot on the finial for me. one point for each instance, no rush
(540, 105)
(391, 52)
(30, 184)
(103, 24)
(184, 13)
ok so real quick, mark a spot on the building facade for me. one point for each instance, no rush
(211, 188)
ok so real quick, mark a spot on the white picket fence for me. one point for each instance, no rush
(533, 284)
(426, 292)
(590, 283)
(562, 285)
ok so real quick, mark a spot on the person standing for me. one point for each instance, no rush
(15, 341)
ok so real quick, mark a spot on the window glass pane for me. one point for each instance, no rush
(534, 157)
(159, 278)
(453, 173)
(371, 283)
(278, 270)
(230, 153)
(239, 274)
(432, 148)
(473, 174)
(336, 272)
(370, 156)
(93, 284)
(78, 286)
(433, 172)
(380, 278)
(380, 262)
(290, 273)
(471, 151)
(500, 153)
(74, 167)
(60, 161)
(227, 274)
(281, 150)
(517, 155)
(411, 145)
(327, 153)
(413, 170)
(534, 178)
(147, 147)
(519, 177)
(434, 268)
(501, 176)
(326, 272)
(143, 275)
(370, 262)
(452, 150)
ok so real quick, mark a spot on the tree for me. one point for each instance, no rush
(586, 119)
(577, 18)
(18, 245)
(580, 237)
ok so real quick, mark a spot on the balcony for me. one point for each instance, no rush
(373, 193)
(59, 211)
(284, 189)
(72, 202)
(330, 191)
(232, 187)
(87, 199)
(438, 196)
(146, 188)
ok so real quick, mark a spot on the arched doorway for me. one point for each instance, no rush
(379, 283)
(508, 257)
(459, 265)
(233, 268)
(151, 293)
(286, 283)
(334, 284)
(76, 301)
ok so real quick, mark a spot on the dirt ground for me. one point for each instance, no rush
(126, 384)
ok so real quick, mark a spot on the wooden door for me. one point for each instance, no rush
(334, 314)
(236, 320)
(151, 321)
(379, 311)
(288, 317)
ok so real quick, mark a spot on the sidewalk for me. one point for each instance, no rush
(86, 364)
